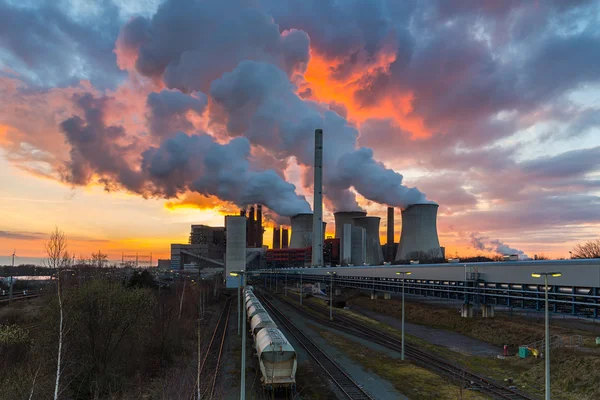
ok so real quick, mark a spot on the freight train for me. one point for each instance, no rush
(276, 356)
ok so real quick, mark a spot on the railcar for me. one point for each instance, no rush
(277, 359)
(260, 321)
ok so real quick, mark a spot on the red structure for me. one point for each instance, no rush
(276, 258)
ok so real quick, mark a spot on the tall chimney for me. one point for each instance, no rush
(250, 230)
(259, 227)
(284, 238)
(390, 251)
(317, 231)
(276, 238)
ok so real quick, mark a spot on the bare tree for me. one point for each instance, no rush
(589, 249)
(58, 258)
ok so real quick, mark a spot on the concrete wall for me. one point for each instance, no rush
(235, 255)
(359, 245)
(346, 245)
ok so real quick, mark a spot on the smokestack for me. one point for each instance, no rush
(374, 255)
(259, 227)
(419, 237)
(250, 230)
(317, 228)
(389, 248)
(276, 238)
(302, 225)
(284, 238)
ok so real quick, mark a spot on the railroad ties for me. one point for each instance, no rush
(344, 382)
(426, 360)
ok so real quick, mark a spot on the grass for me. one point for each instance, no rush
(574, 375)
(409, 379)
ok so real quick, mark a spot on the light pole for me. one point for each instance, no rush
(10, 289)
(243, 368)
(547, 333)
(285, 287)
(331, 274)
(404, 274)
(301, 289)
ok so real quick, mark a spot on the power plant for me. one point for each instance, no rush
(356, 239)
(419, 238)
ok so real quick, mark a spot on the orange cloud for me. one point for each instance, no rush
(193, 200)
(325, 87)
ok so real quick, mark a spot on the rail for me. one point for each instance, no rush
(211, 363)
(426, 360)
(343, 381)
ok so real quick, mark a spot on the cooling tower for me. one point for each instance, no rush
(302, 225)
(389, 246)
(345, 217)
(374, 254)
(419, 237)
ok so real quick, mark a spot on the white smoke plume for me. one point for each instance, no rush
(232, 59)
(484, 243)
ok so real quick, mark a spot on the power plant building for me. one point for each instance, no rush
(276, 238)
(419, 239)
(235, 255)
(284, 238)
(373, 253)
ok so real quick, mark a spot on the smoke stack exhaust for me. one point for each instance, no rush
(389, 256)
(317, 232)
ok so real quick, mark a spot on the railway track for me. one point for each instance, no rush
(427, 360)
(343, 381)
(211, 363)
(5, 298)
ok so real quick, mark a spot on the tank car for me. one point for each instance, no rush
(260, 321)
(277, 359)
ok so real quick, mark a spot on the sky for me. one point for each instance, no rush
(124, 122)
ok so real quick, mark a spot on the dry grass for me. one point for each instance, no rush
(414, 382)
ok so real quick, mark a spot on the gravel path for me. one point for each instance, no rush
(379, 388)
(441, 337)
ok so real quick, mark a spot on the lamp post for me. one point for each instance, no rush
(404, 274)
(547, 325)
(331, 274)
(301, 289)
(10, 289)
(243, 368)
(285, 287)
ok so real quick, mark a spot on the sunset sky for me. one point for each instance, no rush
(124, 122)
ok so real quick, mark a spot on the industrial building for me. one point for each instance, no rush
(280, 238)
(206, 248)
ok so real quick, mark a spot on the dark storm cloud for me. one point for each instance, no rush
(50, 49)
(570, 164)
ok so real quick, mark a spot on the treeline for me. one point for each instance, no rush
(121, 340)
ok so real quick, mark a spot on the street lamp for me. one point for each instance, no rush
(331, 274)
(285, 287)
(243, 368)
(404, 274)
(301, 289)
(547, 333)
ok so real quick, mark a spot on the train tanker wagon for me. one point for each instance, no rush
(254, 309)
(260, 321)
(277, 360)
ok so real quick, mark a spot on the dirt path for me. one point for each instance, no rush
(441, 337)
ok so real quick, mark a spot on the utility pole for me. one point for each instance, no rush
(10, 289)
